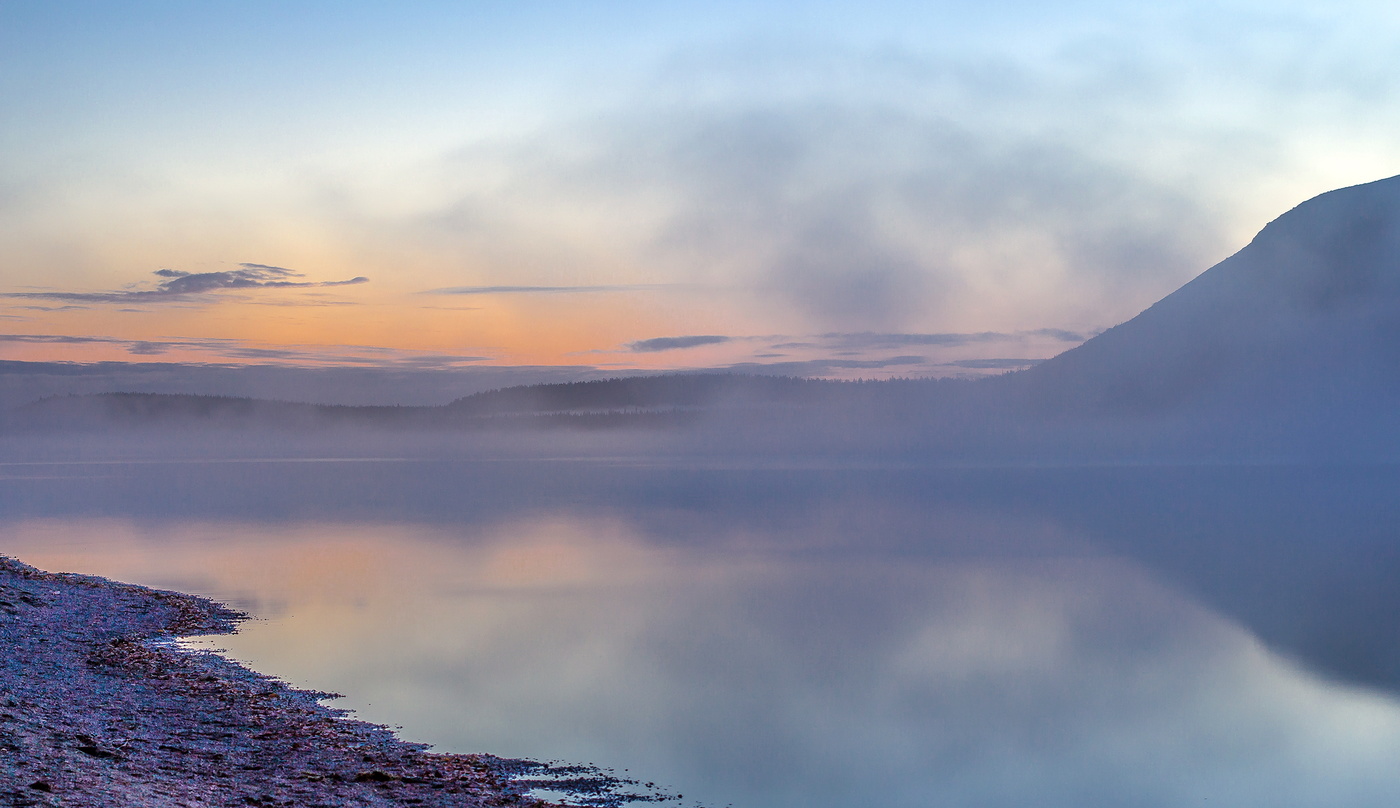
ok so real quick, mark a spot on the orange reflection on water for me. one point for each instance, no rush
(762, 678)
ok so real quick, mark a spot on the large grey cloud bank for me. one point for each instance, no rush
(847, 215)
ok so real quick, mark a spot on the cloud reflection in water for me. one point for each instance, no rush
(752, 672)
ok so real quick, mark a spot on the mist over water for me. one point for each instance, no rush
(815, 635)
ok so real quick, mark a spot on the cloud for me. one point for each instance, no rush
(837, 211)
(178, 285)
(868, 339)
(513, 290)
(1062, 334)
(231, 350)
(994, 364)
(147, 348)
(674, 343)
(308, 300)
(57, 339)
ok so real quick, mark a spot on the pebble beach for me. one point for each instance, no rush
(99, 706)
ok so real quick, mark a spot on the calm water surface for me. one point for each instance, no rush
(800, 637)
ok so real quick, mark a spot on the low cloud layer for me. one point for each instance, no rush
(839, 353)
(831, 355)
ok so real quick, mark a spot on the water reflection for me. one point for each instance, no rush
(822, 638)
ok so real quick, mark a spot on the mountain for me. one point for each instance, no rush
(1306, 317)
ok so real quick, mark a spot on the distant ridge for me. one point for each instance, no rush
(669, 391)
(661, 400)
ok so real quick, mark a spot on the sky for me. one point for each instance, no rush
(822, 188)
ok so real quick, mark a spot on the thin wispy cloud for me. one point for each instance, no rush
(839, 353)
(525, 290)
(233, 351)
(59, 339)
(177, 285)
(862, 340)
(1062, 334)
(309, 299)
(675, 343)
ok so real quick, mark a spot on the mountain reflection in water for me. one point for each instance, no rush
(819, 637)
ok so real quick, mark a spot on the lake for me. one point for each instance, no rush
(815, 635)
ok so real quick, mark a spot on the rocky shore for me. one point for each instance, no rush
(98, 707)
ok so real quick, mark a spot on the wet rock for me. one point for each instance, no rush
(375, 776)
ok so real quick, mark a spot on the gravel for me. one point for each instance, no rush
(100, 707)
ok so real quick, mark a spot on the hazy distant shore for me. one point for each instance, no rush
(97, 708)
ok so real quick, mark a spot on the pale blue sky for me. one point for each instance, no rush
(780, 168)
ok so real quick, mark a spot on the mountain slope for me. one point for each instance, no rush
(1303, 319)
